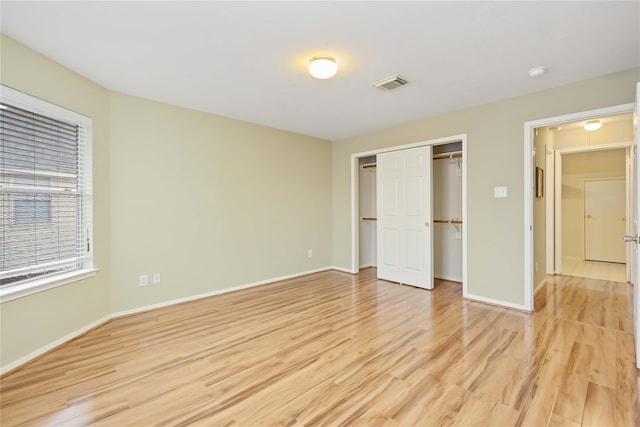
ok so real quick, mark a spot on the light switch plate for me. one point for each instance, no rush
(499, 192)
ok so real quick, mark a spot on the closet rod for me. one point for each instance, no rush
(367, 218)
(447, 221)
(435, 157)
(447, 155)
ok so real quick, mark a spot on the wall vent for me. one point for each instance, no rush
(390, 82)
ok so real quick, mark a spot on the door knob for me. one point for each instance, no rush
(629, 239)
(426, 224)
(589, 216)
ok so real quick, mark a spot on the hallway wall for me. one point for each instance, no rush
(576, 168)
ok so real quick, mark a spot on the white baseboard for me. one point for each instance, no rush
(450, 279)
(29, 357)
(497, 302)
(42, 350)
(212, 293)
(344, 270)
(539, 286)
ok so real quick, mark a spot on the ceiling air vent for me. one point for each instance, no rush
(390, 82)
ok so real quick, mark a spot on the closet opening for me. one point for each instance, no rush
(444, 217)
(447, 212)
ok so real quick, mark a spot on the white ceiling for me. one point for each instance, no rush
(247, 60)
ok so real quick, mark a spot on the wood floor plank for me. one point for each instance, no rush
(599, 409)
(538, 408)
(561, 347)
(603, 361)
(338, 349)
(558, 421)
(572, 397)
(626, 390)
(625, 346)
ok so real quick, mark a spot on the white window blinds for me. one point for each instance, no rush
(45, 189)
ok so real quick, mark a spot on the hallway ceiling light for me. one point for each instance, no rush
(323, 67)
(592, 125)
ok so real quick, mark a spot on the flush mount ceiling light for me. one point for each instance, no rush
(323, 67)
(536, 72)
(592, 125)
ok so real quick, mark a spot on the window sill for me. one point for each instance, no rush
(9, 293)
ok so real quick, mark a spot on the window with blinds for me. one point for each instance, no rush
(45, 190)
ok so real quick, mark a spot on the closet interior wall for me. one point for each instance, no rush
(368, 229)
(447, 206)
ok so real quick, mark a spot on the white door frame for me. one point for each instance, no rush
(355, 205)
(550, 191)
(554, 246)
(529, 128)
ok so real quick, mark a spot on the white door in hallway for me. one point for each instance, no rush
(605, 220)
(404, 192)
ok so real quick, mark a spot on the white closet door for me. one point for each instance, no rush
(605, 216)
(404, 217)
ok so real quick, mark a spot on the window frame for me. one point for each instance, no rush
(22, 100)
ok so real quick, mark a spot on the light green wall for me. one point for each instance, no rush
(495, 157)
(30, 323)
(211, 203)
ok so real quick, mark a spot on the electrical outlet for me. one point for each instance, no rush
(309, 253)
(143, 280)
(156, 278)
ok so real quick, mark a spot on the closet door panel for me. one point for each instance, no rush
(390, 256)
(404, 217)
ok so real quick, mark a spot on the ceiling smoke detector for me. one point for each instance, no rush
(390, 82)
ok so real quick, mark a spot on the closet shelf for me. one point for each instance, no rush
(447, 221)
(452, 155)
(368, 218)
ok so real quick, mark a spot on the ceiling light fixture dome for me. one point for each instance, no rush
(323, 67)
(592, 125)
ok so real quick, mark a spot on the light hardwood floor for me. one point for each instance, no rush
(336, 349)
